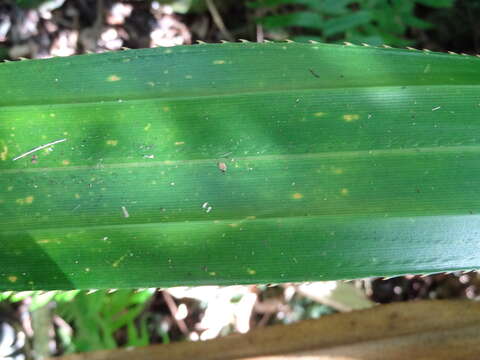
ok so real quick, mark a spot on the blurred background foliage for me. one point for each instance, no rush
(36, 28)
(374, 22)
(39, 324)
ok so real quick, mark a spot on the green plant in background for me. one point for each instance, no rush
(3, 53)
(29, 3)
(96, 317)
(38, 299)
(237, 163)
(374, 22)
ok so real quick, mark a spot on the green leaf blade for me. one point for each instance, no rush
(341, 162)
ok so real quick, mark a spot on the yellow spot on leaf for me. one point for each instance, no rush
(319, 114)
(27, 200)
(297, 196)
(4, 153)
(233, 225)
(77, 196)
(147, 127)
(52, 115)
(218, 62)
(251, 271)
(65, 162)
(180, 143)
(337, 171)
(188, 77)
(251, 217)
(112, 142)
(212, 273)
(344, 191)
(12, 278)
(116, 263)
(113, 78)
(351, 117)
(10, 188)
(43, 241)
(166, 108)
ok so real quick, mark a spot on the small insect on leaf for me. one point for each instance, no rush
(222, 167)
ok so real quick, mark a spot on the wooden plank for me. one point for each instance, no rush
(423, 329)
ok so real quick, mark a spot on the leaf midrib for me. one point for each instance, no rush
(320, 155)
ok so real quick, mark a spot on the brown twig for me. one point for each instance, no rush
(217, 19)
(173, 310)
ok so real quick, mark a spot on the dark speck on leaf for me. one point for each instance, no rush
(314, 73)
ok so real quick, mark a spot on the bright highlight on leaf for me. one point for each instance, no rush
(287, 162)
